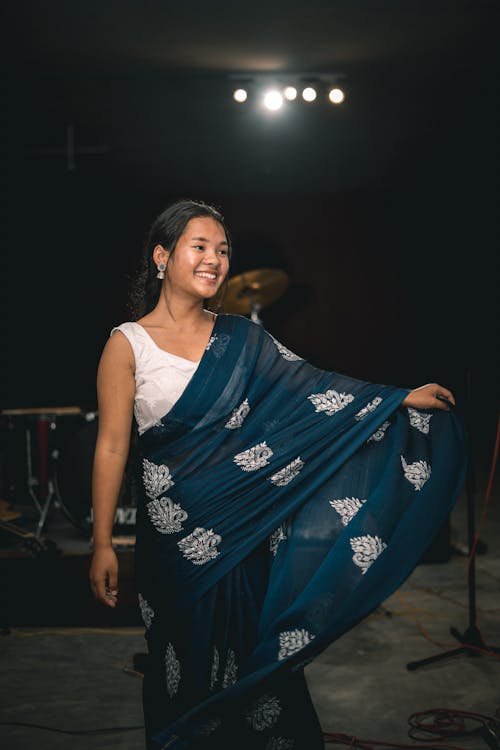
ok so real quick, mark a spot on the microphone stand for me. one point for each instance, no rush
(471, 638)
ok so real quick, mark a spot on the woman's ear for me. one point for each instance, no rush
(160, 255)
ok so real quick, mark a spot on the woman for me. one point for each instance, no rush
(280, 503)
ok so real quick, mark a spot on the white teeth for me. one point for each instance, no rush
(206, 275)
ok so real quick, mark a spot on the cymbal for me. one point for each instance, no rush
(259, 287)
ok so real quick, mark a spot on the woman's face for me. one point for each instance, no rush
(200, 262)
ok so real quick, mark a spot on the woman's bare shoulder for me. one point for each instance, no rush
(118, 350)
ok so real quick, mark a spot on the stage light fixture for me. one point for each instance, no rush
(274, 90)
(240, 96)
(309, 94)
(336, 95)
(273, 100)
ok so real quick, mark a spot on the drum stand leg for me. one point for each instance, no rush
(45, 510)
(43, 482)
(32, 482)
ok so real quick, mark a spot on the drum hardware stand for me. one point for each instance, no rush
(45, 482)
(254, 313)
(32, 480)
(46, 421)
(472, 640)
(250, 294)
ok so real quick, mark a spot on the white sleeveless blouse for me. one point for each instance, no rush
(160, 377)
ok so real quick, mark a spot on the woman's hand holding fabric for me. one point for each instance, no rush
(430, 396)
(104, 575)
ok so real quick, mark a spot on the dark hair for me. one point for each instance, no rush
(166, 230)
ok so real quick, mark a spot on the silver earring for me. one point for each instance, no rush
(161, 270)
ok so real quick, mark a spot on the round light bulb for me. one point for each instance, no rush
(273, 100)
(290, 93)
(309, 94)
(336, 95)
(240, 95)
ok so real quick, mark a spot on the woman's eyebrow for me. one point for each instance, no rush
(204, 239)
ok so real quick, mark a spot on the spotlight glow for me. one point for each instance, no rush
(290, 93)
(240, 96)
(336, 95)
(309, 94)
(273, 100)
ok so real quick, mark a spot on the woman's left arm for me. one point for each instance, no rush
(430, 396)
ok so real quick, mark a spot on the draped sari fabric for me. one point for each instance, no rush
(280, 504)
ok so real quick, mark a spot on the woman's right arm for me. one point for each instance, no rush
(115, 398)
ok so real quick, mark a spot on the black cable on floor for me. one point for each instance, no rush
(105, 730)
(442, 723)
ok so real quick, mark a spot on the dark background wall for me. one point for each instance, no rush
(383, 214)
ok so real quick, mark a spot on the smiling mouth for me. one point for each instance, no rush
(207, 275)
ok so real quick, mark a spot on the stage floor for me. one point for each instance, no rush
(67, 663)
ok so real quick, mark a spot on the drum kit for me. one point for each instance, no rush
(58, 443)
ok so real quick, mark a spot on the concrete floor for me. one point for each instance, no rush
(81, 678)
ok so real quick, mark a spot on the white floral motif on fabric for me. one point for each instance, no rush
(275, 538)
(219, 344)
(230, 670)
(285, 353)
(254, 458)
(284, 476)
(238, 416)
(280, 743)
(157, 478)
(330, 402)
(147, 613)
(166, 515)
(379, 434)
(264, 713)
(419, 420)
(200, 546)
(366, 550)
(214, 669)
(210, 342)
(172, 671)
(150, 401)
(362, 413)
(347, 508)
(416, 473)
(292, 641)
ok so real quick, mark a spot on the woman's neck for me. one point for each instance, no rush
(177, 312)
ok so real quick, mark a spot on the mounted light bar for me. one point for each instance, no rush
(273, 91)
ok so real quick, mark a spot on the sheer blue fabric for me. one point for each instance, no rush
(280, 504)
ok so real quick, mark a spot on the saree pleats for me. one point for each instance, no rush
(280, 505)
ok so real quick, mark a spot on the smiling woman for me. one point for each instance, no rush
(161, 247)
(278, 504)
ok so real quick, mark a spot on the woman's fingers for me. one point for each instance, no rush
(104, 579)
(441, 403)
(443, 397)
(444, 393)
(430, 396)
(112, 588)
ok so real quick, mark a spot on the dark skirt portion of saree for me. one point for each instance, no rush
(280, 505)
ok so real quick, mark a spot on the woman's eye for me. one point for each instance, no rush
(199, 247)
(223, 252)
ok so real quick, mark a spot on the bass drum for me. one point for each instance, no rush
(73, 483)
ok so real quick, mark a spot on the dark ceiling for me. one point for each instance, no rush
(146, 86)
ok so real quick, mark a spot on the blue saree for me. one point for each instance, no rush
(279, 505)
